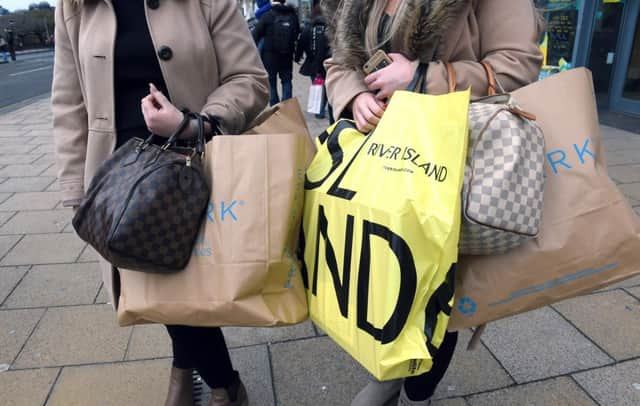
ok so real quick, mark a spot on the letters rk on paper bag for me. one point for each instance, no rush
(589, 236)
(381, 228)
(243, 270)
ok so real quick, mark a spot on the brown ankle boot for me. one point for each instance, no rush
(234, 395)
(180, 388)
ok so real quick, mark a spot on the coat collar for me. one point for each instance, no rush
(426, 22)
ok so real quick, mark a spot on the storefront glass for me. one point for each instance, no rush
(558, 41)
(632, 79)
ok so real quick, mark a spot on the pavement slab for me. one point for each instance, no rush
(26, 388)
(599, 314)
(450, 402)
(6, 215)
(631, 190)
(24, 170)
(315, 372)
(635, 292)
(138, 383)
(45, 249)
(558, 391)
(15, 328)
(44, 159)
(75, 335)
(541, 344)
(37, 222)
(57, 285)
(5, 196)
(253, 365)
(471, 371)
(245, 336)
(15, 140)
(615, 385)
(9, 278)
(14, 159)
(30, 184)
(89, 254)
(19, 149)
(625, 173)
(623, 157)
(31, 201)
(7, 242)
(149, 341)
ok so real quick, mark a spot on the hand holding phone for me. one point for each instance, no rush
(378, 61)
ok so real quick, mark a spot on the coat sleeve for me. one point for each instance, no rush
(508, 34)
(243, 90)
(70, 124)
(343, 85)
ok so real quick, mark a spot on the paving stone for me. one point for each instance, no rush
(558, 391)
(75, 335)
(450, 402)
(541, 344)
(45, 249)
(22, 388)
(43, 130)
(149, 341)
(7, 242)
(131, 383)
(31, 201)
(51, 171)
(6, 215)
(24, 170)
(635, 292)
(627, 283)
(43, 149)
(15, 159)
(89, 254)
(15, 140)
(31, 184)
(614, 385)
(637, 209)
(598, 315)
(9, 133)
(102, 297)
(4, 197)
(631, 190)
(9, 278)
(253, 366)
(44, 159)
(53, 187)
(244, 336)
(623, 157)
(315, 372)
(625, 173)
(15, 328)
(19, 149)
(37, 222)
(471, 371)
(57, 285)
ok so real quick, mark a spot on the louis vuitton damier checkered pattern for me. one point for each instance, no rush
(504, 179)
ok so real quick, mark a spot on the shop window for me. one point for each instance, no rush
(632, 80)
(558, 40)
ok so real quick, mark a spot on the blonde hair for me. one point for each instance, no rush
(373, 38)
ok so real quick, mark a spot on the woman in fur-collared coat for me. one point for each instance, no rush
(503, 33)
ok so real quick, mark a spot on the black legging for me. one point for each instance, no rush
(204, 349)
(423, 386)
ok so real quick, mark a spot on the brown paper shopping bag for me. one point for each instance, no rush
(243, 270)
(590, 237)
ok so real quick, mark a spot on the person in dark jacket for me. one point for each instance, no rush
(280, 29)
(11, 42)
(314, 44)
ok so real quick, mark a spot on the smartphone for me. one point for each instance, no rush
(378, 61)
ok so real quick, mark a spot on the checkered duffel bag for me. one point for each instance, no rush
(504, 174)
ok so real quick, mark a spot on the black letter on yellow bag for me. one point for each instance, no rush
(334, 149)
(408, 282)
(341, 288)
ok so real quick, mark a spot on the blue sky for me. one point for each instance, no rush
(16, 4)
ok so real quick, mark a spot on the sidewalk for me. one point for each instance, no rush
(60, 344)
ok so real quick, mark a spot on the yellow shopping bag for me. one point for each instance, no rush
(380, 232)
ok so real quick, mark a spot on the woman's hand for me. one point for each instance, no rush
(367, 111)
(396, 76)
(161, 117)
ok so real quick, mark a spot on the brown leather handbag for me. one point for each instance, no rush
(145, 204)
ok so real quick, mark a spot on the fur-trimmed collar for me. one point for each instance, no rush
(426, 22)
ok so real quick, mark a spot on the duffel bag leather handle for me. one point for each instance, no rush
(491, 77)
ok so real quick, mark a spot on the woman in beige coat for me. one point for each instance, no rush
(503, 33)
(123, 69)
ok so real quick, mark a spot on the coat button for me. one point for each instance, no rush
(165, 53)
(153, 4)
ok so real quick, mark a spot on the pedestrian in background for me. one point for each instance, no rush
(279, 27)
(96, 112)
(4, 53)
(502, 33)
(10, 37)
(314, 44)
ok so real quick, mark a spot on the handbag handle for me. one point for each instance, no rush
(491, 77)
(199, 138)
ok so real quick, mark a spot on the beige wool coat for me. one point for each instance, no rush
(464, 32)
(214, 68)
